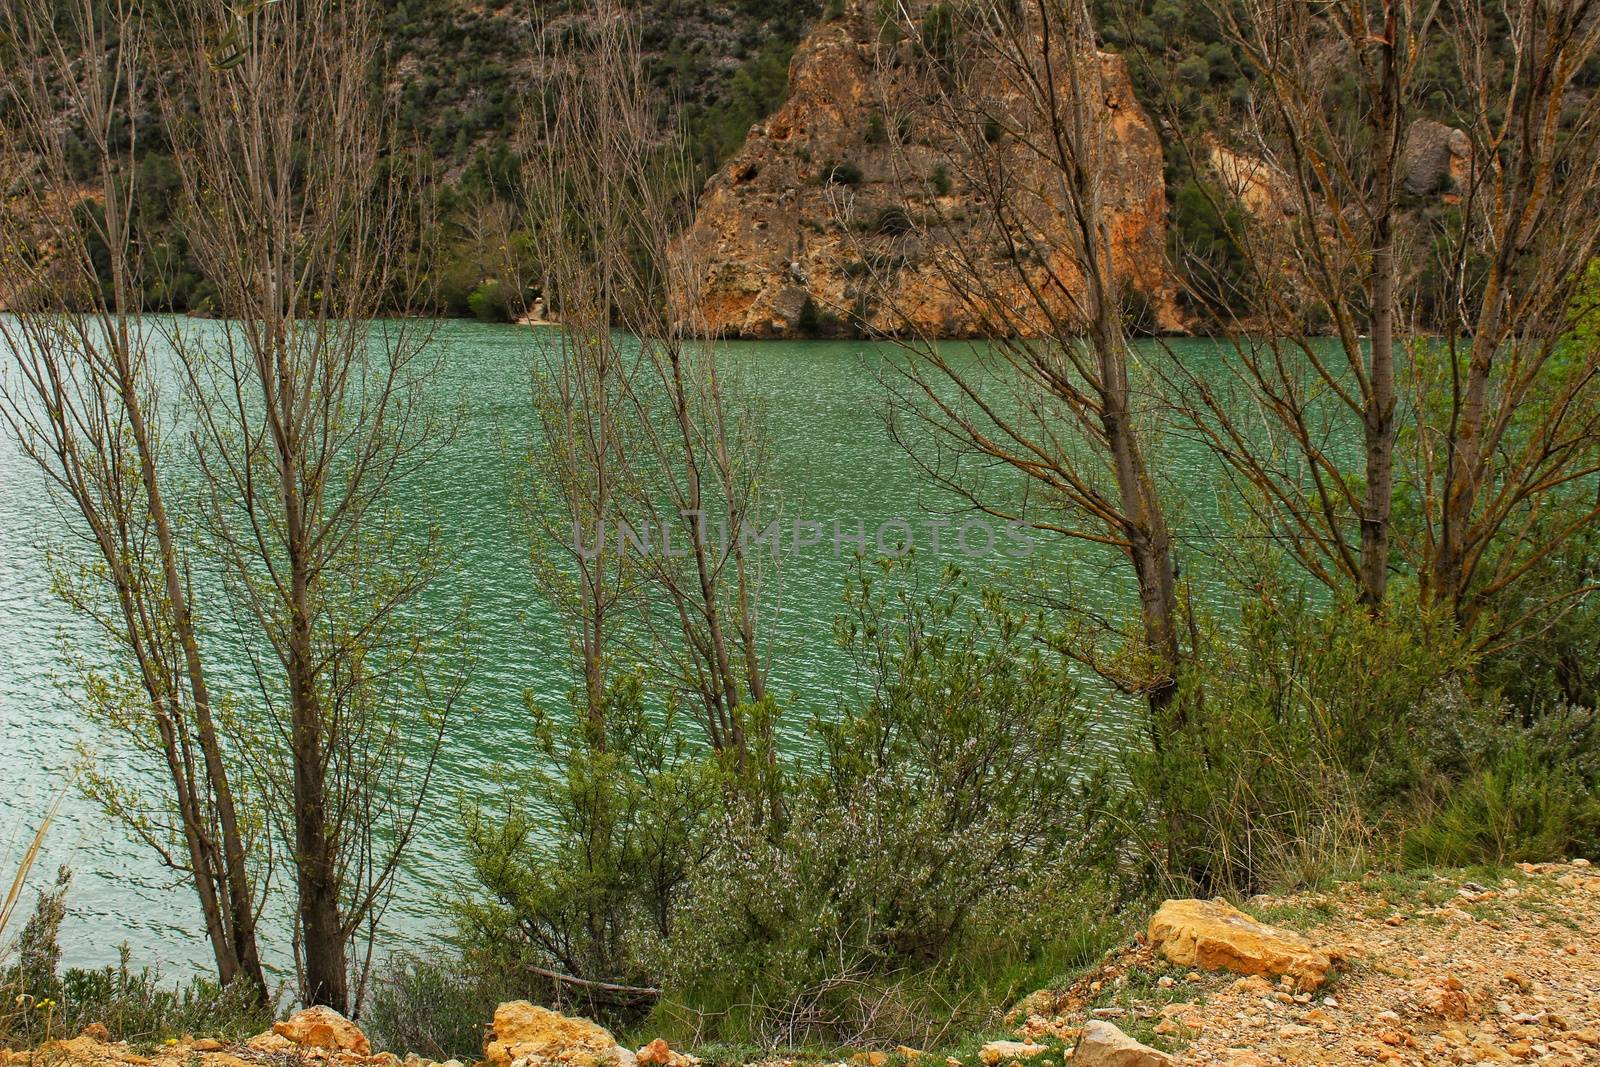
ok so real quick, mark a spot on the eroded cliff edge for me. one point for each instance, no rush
(817, 225)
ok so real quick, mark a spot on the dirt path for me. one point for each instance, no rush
(1438, 969)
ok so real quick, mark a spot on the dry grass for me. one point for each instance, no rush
(25, 863)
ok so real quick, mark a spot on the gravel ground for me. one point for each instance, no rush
(1435, 969)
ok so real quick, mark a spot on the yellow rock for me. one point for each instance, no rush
(527, 1034)
(659, 1054)
(656, 1052)
(1213, 936)
(269, 1042)
(996, 1051)
(1104, 1045)
(322, 1027)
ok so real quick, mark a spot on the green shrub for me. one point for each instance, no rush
(877, 132)
(41, 1002)
(437, 1005)
(846, 173)
(1519, 808)
(1533, 795)
(920, 856)
(490, 302)
(891, 221)
(940, 179)
(1303, 729)
(583, 863)
(937, 36)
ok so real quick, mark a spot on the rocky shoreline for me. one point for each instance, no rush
(1401, 969)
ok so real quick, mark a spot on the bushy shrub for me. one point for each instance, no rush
(892, 220)
(938, 31)
(877, 132)
(41, 1002)
(926, 842)
(1533, 795)
(583, 863)
(436, 1005)
(1303, 729)
(490, 302)
(1522, 807)
(845, 173)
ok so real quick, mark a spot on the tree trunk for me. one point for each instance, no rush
(242, 958)
(1379, 407)
(316, 860)
(322, 932)
(1448, 580)
(1149, 550)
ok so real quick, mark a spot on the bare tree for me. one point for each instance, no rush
(1019, 97)
(85, 401)
(303, 215)
(669, 447)
(585, 131)
(1317, 162)
(1503, 403)
(1509, 401)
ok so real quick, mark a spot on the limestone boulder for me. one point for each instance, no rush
(1437, 158)
(322, 1027)
(270, 1043)
(659, 1054)
(1213, 936)
(527, 1035)
(1103, 1045)
(996, 1052)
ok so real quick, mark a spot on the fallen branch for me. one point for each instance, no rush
(634, 991)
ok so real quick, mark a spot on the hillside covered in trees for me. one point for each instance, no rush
(457, 75)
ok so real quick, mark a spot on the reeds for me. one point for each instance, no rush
(25, 866)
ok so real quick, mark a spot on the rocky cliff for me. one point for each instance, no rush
(835, 187)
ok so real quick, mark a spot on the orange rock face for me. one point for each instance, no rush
(783, 251)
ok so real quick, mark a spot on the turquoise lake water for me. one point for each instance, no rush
(833, 458)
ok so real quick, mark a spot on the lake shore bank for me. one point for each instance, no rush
(1436, 966)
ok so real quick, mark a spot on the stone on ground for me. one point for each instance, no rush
(1103, 1045)
(526, 1035)
(1005, 1051)
(322, 1027)
(659, 1054)
(1211, 935)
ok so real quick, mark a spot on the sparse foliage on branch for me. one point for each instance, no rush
(309, 420)
(1049, 399)
(1405, 393)
(87, 402)
(1309, 185)
(649, 434)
